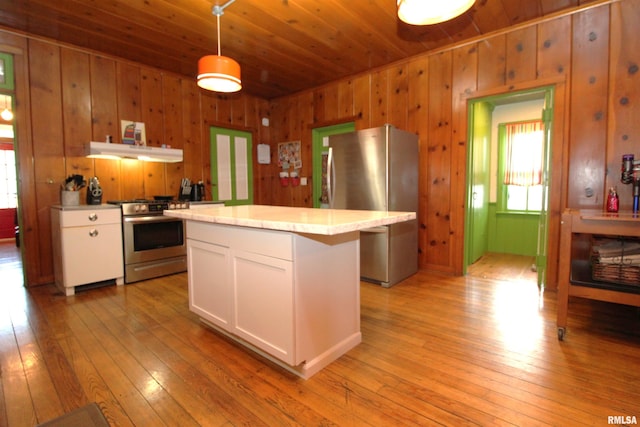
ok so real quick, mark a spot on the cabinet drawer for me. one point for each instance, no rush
(276, 244)
(89, 217)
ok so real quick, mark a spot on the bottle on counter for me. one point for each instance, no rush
(613, 202)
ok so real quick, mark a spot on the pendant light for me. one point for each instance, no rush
(429, 12)
(216, 72)
(6, 114)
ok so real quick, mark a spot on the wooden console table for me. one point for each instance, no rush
(574, 272)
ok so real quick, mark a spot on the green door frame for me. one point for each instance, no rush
(546, 92)
(319, 147)
(6, 67)
(233, 165)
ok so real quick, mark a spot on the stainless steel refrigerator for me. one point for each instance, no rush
(377, 169)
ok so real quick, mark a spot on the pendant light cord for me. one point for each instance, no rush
(218, 26)
(218, 11)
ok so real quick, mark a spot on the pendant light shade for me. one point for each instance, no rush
(429, 12)
(216, 72)
(219, 74)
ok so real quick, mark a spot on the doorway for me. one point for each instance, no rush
(320, 138)
(504, 239)
(231, 166)
(10, 255)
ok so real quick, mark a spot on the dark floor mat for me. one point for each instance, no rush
(87, 416)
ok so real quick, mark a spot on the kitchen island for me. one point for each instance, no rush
(283, 281)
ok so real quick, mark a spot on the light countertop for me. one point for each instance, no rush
(84, 207)
(299, 220)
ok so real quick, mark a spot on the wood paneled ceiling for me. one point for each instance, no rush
(283, 46)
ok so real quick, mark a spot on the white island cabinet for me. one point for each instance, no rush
(87, 245)
(284, 282)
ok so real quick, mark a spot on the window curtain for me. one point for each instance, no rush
(524, 153)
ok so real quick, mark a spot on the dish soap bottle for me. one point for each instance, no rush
(612, 200)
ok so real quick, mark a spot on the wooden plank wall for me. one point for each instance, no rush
(623, 130)
(590, 56)
(66, 97)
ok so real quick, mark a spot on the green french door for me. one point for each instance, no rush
(543, 224)
(479, 181)
(231, 166)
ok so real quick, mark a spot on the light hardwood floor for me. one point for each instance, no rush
(436, 350)
(499, 266)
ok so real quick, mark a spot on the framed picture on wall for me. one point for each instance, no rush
(133, 133)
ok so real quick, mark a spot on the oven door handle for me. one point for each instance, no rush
(150, 218)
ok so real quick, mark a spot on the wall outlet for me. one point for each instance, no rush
(303, 180)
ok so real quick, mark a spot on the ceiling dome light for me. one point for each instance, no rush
(7, 115)
(216, 72)
(429, 12)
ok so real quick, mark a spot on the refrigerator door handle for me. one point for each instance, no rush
(330, 177)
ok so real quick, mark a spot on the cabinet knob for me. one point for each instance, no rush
(93, 217)
(93, 233)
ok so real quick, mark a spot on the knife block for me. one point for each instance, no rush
(94, 197)
(185, 192)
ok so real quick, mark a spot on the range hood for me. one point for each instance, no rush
(103, 150)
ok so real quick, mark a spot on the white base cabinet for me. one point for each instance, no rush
(87, 245)
(292, 297)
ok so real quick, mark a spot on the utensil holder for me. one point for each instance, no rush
(69, 198)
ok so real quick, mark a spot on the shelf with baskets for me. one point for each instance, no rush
(583, 270)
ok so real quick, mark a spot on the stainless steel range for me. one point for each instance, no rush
(153, 244)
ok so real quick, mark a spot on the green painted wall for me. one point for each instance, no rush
(512, 233)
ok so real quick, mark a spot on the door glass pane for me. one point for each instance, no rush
(223, 151)
(242, 169)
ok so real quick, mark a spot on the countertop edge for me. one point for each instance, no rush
(84, 207)
(390, 217)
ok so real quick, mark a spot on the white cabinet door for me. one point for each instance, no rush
(263, 303)
(210, 285)
(91, 254)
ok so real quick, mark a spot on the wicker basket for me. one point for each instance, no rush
(614, 273)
